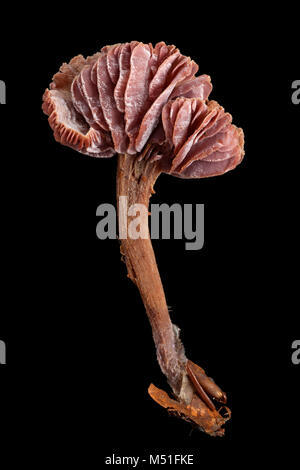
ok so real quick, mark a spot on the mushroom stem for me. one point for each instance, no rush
(192, 388)
(135, 180)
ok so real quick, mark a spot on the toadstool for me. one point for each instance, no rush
(146, 104)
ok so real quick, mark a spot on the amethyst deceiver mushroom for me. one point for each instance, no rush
(146, 104)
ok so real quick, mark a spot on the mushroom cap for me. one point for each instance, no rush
(147, 102)
(203, 141)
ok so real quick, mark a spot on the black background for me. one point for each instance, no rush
(80, 356)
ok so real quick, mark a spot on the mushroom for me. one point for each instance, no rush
(146, 104)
